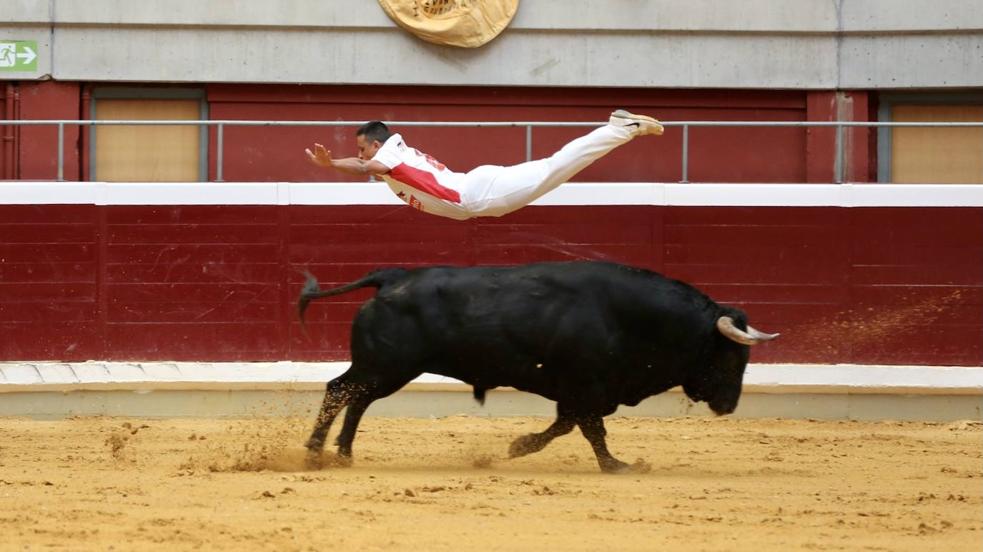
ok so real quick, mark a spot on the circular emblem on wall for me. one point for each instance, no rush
(463, 23)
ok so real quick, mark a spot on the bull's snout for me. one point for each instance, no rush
(723, 407)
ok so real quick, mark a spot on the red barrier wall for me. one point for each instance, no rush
(843, 285)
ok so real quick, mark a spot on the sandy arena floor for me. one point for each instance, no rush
(444, 484)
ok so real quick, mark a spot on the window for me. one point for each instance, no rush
(931, 155)
(148, 153)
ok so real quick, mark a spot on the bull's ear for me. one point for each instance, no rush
(725, 325)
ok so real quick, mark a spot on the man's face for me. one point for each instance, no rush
(366, 148)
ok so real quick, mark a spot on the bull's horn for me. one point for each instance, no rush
(751, 337)
(761, 336)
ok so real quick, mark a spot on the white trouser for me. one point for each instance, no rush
(493, 191)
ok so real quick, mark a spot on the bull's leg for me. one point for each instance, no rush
(535, 442)
(593, 429)
(364, 394)
(336, 396)
(352, 417)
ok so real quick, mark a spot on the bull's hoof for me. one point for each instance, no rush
(527, 444)
(313, 460)
(319, 460)
(339, 461)
(615, 466)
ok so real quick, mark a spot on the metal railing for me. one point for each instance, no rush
(220, 125)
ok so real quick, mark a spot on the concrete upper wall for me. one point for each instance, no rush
(805, 44)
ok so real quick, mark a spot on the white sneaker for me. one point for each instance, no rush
(638, 125)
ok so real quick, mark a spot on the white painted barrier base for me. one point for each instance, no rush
(265, 389)
(28, 376)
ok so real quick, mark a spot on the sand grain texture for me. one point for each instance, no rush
(445, 484)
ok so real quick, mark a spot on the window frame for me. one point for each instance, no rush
(151, 93)
(885, 111)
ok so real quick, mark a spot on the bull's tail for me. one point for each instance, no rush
(312, 290)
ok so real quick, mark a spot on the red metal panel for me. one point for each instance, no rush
(193, 233)
(38, 155)
(48, 282)
(323, 341)
(787, 267)
(45, 312)
(162, 294)
(719, 154)
(227, 341)
(769, 292)
(732, 255)
(40, 252)
(192, 254)
(913, 273)
(8, 134)
(48, 232)
(750, 216)
(52, 271)
(47, 214)
(327, 234)
(192, 281)
(384, 235)
(532, 96)
(67, 341)
(926, 345)
(193, 311)
(190, 214)
(821, 141)
(33, 293)
(385, 254)
(918, 284)
(213, 271)
(803, 271)
(520, 254)
(607, 233)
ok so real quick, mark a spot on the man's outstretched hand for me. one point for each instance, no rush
(320, 156)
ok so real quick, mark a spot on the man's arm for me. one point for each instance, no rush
(351, 165)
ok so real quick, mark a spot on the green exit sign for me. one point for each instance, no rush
(18, 55)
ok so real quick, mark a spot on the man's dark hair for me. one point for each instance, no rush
(374, 130)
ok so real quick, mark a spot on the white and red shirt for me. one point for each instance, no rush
(420, 180)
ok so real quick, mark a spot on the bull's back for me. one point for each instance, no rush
(538, 305)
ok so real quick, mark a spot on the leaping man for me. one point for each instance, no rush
(488, 190)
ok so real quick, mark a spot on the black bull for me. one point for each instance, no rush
(588, 335)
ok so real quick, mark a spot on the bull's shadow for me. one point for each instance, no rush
(589, 335)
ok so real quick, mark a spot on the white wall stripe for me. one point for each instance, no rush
(23, 375)
(602, 193)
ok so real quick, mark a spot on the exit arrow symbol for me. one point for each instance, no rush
(28, 56)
